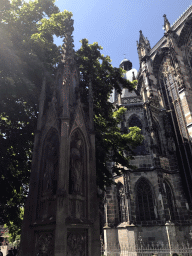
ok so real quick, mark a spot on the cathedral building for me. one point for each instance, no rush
(152, 203)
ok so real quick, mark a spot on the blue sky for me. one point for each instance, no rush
(115, 24)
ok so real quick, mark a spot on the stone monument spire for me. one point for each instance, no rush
(61, 213)
(70, 78)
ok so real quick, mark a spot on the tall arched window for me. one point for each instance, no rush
(145, 201)
(169, 202)
(170, 86)
(134, 121)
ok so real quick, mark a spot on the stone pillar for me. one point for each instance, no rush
(171, 236)
(111, 239)
(62, 198)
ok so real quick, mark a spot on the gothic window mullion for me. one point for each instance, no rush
(148, 205)
(145, 205)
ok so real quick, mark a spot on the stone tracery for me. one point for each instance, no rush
(145, 201)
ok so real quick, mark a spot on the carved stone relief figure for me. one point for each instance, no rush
(44, 244)
(77, 177)
(50, 168)
(76, 165)
(48, 177)
(121, 203)
(77, 243)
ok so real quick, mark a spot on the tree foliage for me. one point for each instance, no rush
(111, 144)
(14, 233)
(27, 53)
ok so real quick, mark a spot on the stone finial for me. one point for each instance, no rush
(166, 24)
(143, 41)
(143, 46)
(141, 37)
(68, 46)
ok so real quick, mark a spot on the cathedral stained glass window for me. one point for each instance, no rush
(134, 121)
(145, 201)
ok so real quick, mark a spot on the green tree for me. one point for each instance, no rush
(27, 54)
(111, 144)
(14, 234)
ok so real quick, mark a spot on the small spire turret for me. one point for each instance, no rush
(167, 26)
(143, 46)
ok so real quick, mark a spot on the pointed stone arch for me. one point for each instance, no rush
(169, 201)
(185, 41)
(145, 200)
(48, 177)
(185, 32)
(77, 169)
(134, 120)
(158, 59)
(170, 84)
(50, 161)
(188, 48)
